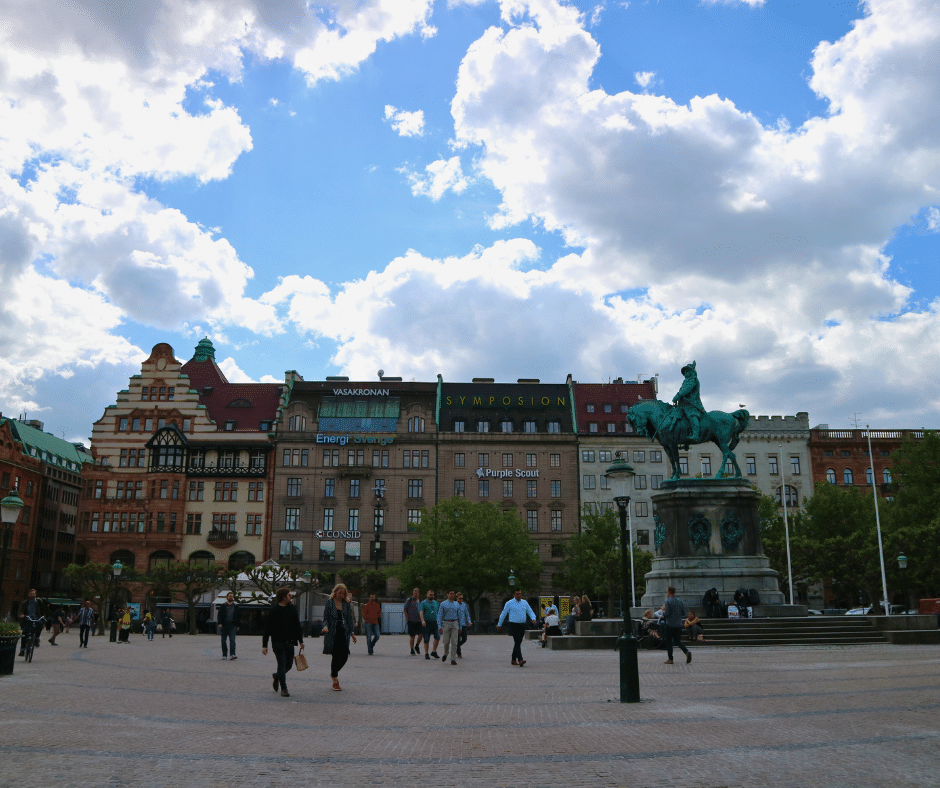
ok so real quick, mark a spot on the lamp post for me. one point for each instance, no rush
(619, 474)
(116, 569)
(902, 565)
(881, 552)
(10, 508)
(512, 579)
(376, 524)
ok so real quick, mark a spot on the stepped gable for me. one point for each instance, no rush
(247, 404)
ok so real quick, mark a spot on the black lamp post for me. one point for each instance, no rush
(379, 492)
(619, 475)
(902, 565)
(10, 508)
(116, 570)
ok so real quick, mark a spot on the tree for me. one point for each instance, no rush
(267, 578)
(187, 582)
(472, 547)
(592, 560)
(773, 534)
(98, 581)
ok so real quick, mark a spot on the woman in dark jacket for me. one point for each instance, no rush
(338, 626)
(587, 612)
(283, 628)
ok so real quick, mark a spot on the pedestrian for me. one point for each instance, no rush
(150, 625)
(338, 628)
(573, 614)
(372, 620)
(465, 623)
(124, 622)
(33, 609)
(550, 626)
(282, 628)
(166, 623)
(586, 611)
(228, 620)
(58, 625)
(429, 622)
(86, 623)
(448, 615)
(413, 618)
(673, 615)
(519, 613)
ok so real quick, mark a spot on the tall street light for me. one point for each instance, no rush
(116, 570)
(619, 474)
(376, 522)
(10, 508)
(881, 552)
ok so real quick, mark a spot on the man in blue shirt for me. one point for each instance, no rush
(519, 613)
(448, 616)
(465, 623)
(673, 614)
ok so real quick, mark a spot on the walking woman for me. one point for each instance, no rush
(283, 628)
(338, 626)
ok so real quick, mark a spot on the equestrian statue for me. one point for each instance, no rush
(685, 422)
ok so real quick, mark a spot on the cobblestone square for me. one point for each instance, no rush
(172, 713)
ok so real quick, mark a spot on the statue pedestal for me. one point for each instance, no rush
(708, 536)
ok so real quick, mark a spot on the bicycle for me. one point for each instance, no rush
(32, 630)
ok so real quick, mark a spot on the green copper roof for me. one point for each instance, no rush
(204, 350)
(49, 448)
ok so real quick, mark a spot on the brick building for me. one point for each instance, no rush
(841, 456)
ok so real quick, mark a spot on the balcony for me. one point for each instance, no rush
(222, 538)
(231, 471)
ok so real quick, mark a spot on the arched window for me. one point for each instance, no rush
(793, 497)
(297, 424)
(886, 475)
(831, 475)
(203, 557)
(847, 476)
(126, 557)
(416, 424)
(869, 476)
(160, 558)
(240, 559)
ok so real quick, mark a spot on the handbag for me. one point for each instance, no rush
(327, 645)
(300, 662)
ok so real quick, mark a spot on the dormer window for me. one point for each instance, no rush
(230, 425)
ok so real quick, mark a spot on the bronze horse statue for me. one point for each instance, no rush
(668, 425)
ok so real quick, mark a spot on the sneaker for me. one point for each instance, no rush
(427, 656)
(285, 693)
(434, 654)
(233, 657)
(453, 662)
(412, 652)
(224, 656)
(668, 662)
(515, 662)
(688, 657)
(521, 662)
(444, 658)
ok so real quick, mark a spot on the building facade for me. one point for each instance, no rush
(841, 456)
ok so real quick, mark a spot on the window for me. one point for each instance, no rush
(483, 426)
(164, 488)
(329, 488)
(406, 550)
(264, 426)
(846, 453)
(794, 465)
(226, 491)
(353, 550)
(528, 426)
(684, 466)
(592, 426)
(531, 461)
(793, 497)
(751, 463)
(148, 425)
(291, 549)
(555, 488)
(460, 459)
(611, 427)
(484, 460)
(230, 425)
(460, 488)
(729, 468)
(353, 519)
(292, 519)
(297, 424)
(354, 488)
(356, 457)
(379, 550)
(327, 550)
(483, 488)
(122, 462)
(330, 458)
(847, 476)
(378, 520)
(603, 456)
(656, 456)
(254, 525)
(197, 459)
(460, 425)
(556, 519)
(587, 456)
(772, 465)
(221, 523)
(226, 459)
(590, 408)
(706, 466)
(605, 482)
(554, 460)
(642, 537)
(507, 488)
(554, 427)
(558, 551)
(507, 460)
(869, 476)
(327, 519)
(135, 425)
(639, 482)
(194, 523)
(532, 519)
(656, 482)
(886, 475)
(257, 458)
(831, 475)
(415, 488)
(639, 456)
(641, 509)
(414, 519)
(255, 491)
(380, 458)
(532, 488)
(505, 426)
(416, 459)
(415, 424)
(589, 482)
(828, 453)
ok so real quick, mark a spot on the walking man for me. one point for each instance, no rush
(519, 613)
(372, 618)
(449, 617)
(673, 617)
(228, 621)
(429, 621)
(86, 622)
(413, 617)
(465, 623)
(166, 623)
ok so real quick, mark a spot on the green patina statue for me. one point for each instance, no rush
(676, 427)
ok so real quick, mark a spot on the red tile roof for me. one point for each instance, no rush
(613, 394)
(263, 398)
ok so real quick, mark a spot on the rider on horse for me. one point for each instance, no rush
(688, 402)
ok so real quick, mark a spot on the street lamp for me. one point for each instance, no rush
(619, 475)
(10, 508)
(376, 522)
(116, 569)
(881, 552)
(902, 564)
(512, 579)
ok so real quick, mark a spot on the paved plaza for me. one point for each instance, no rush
(172, 713)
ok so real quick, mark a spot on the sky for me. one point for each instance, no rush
(475, 188)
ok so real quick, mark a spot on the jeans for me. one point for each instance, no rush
(285, 660)
(518, 633)
(372, 635)
(674, 638)
(228, 640)
(462, 638)
(83, 631)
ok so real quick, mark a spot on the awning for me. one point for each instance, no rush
(56, 600)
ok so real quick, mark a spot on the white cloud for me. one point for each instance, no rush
(752, 3)
(439, 177)
(644, 78)
(407, 124)
(933, 219)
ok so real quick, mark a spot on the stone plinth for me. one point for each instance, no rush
(707, 535)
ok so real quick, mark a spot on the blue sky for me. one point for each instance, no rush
(524, 188)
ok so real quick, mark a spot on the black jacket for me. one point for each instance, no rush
(282, 625)
(236, 615)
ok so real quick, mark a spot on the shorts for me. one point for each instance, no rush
(414, 628)
(430, 630)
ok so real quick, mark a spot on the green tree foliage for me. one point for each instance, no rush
(592, 561)
(187, 582)
(470, 547)
(264, 581)
(97, 581)
(774, 540)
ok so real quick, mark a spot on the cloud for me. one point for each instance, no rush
(644, 78)
(439, 177)
(752, 3)
(407, 124)
(933, 219)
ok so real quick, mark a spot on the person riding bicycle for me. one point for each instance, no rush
(33, 608)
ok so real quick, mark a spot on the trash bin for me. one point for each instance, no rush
(8, 653)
